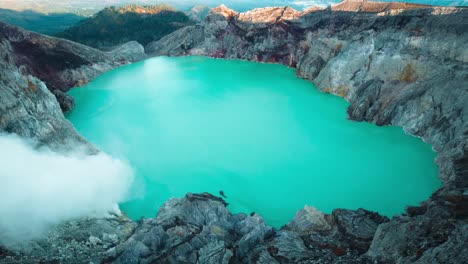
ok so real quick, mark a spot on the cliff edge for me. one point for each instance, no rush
(37, 70)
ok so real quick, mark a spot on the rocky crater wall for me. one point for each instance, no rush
(396, 64)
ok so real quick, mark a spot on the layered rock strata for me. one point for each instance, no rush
(36, 71)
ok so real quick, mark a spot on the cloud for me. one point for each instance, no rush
(40, 188)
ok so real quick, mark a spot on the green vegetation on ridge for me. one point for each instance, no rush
(39, 22)
(117, 25)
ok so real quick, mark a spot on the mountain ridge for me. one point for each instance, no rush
(117, 25)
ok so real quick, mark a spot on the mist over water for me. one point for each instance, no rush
(41, 188)
(271, 141)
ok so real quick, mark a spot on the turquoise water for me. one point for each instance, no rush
(271, 141)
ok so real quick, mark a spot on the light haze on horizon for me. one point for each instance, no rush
(91, 6)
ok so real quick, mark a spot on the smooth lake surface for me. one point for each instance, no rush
(271, 141)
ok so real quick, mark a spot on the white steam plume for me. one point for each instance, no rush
(40, 188)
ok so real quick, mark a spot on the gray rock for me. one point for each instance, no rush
(73, 242)
(36, 71)
(94, 240)
(309, 219)
(131, 51)
(110, 239)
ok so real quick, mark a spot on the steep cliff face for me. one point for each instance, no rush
(397, 64)
(33, 69)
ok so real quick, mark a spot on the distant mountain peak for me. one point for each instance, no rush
(141, 9)
(372, 6)
(224, 11)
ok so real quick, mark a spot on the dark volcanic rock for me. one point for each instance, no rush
(342, 231)
(66, 101)
(195, 229)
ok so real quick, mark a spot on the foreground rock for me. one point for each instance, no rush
(397, 64)
(200, 229)
(36, 71)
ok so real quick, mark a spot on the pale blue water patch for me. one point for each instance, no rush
(271, 141)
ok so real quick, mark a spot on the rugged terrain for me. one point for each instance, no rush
(34, 68)
(397, 64)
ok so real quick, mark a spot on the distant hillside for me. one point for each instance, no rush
(116, 25)
(80, 7)
(39, 22)
(90, 7)
(198, 12)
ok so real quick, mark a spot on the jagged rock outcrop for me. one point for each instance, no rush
(34, 68)
(397, 64)
(200, 229)
(131, 51)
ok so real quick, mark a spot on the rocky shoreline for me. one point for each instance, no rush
(397, 64)
(32, 65)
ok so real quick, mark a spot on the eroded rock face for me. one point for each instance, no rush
(397, 64)
(29, 109)
(37, 70)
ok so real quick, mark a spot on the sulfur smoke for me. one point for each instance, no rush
(41, 188)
